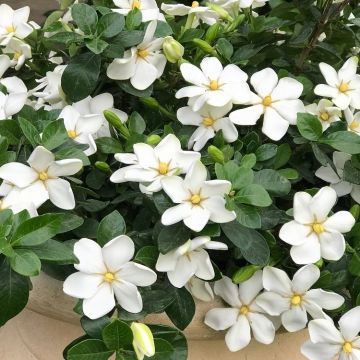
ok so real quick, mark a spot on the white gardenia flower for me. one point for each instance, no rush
(253, 3)
(214, 85)
(325, 111)
(292, 299)
(244, 316)
(151, 164)
(19, 51)
(142, 64)
(202, 13)
(200, 289)
(81, 128)
(199, 200)
(343, 87)
(278, 100)
(149, 9)
(51, 93)
(314, 234)
(328, 174)
(209, 120)
(143, 342)
(14, 23)
(328, 343)
(5, 63)
(107, 272)
(41, 180)
(353, 120)
(189, 259)
(14, 99)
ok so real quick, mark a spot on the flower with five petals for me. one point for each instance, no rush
(325, 111)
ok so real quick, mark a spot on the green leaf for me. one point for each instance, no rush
(70, 222)
(283, 155)
(14, 292)
(248, 216)
(273, 182)
(65, 37)
(72, 153)
(251, 243)
(351, 173)
(309, 126)
(93, 349)
(55, 252)
(11, 130)
(81, 75)
(253, 194)
(37, 230)
(133, 19)
(117, 335)
(85, 17)
(238, 176)
(224, 48)
(182, 310)
(172, 236)
(248, 161)
(108, 145)
(148, 256)
(54, 134)
(110, 227)
(97, 46)
(30, 131)
(163, 348)
(345, 141)
(110, 25)
(137, 123)
(244, 273)
(94, 327)
(265, 152)
(25, 262)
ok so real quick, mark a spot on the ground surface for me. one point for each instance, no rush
(38, 7)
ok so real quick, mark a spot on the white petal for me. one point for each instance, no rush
(294, 319)
(146, 155)
(189, 117)
(327, 174)
(60, 193)
(325, 299)
(305, 278)
(197, 219)
(308, 252)
(218, 213)
(90, 257)
(122, 69)
(228, 129)
(332, 245)
(329, 74)
(167, 262)
(18, 174)
(262, 328)
(350, 323)
(190, 91)
(323, 202)
(195, 178)
(288, 109)
(128, 296)
(355, 193)
(272, 303)
(320, 351)
(65, 167)
(228, 291)
(145, 75)
(82, 285)
(276, 280)
(101, 102)
(264, 81)
(302, 211)
(274, 125)
(238, 335)
(204, 268)
(342, 188)
(118, 252)
(231, 74)
(193, 74)
(326, 90)
(348, 70)
(211, 67)
(183, 272)
(216, 98)
(249, 289)
(247, 116)
(100, 304)
(221, 319)
(185, 160)
(137, 274)
(342, 100)
(287, 89)
(342, 221)
(40, 159)
(89, 124)
(15, 103)
(200, 289)
(175, 214)
(35, 193)
(5, 63)
(294, 233)
(324, 331)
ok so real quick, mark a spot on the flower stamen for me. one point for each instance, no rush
(208, 121)
(136, 4)
(163, 168)
(324, 116)
(244, 310)
(72, 134)
(343, 87)
(143, 53)
(353, 125)
(318, 228)
(109, 277)
(296, 300)
(195, 199)
(43, 176)
(347, 347)
(267, 100)
(10, 29)
(214, 85)
(195, 4)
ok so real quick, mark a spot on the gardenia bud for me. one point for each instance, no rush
(212, 33)
(204, 46)
(172, 49)
(216, 154)
(150, 102)
(115, 121)
(245, 273)
(221, 11)
(153, 139)
(102, 166)
(143, 342)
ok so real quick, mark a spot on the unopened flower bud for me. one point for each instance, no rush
(220, 11)
(172, 49)
(244, 273)
(153, 139)
(102, 166)
(204, 46)
(216, 154)
(143, 342)
(150, 102)
(115, 121)
(212, 33)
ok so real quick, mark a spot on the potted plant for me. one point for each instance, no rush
(177, 170)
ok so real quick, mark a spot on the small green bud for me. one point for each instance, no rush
(153, 139)
(150, 102)
(355, 211)
(319, 263)
(172, 49)
(102, 166)
(115, 121)
(245, 273)
(143, 341)
(204, 46)
(220, 11)
(235, 24)
(212, 33)
(216, 154)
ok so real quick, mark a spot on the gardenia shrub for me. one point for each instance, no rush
(155, 155)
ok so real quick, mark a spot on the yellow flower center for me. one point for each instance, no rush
(343, 87)
(195, 199)
(296, 300)
(353, 125)
(10, 29)
(214, 85)
(17, 55)
(43, 176)
(244, 310)
(318, 228)
(267, 101)
(324, 116)
(72, 134)
(136, 4)
(109, 277)
(143, 53)
(163, 168)
(208, 121)
(195, 4)
(347, 347)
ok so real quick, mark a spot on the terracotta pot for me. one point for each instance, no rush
(48, 324)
